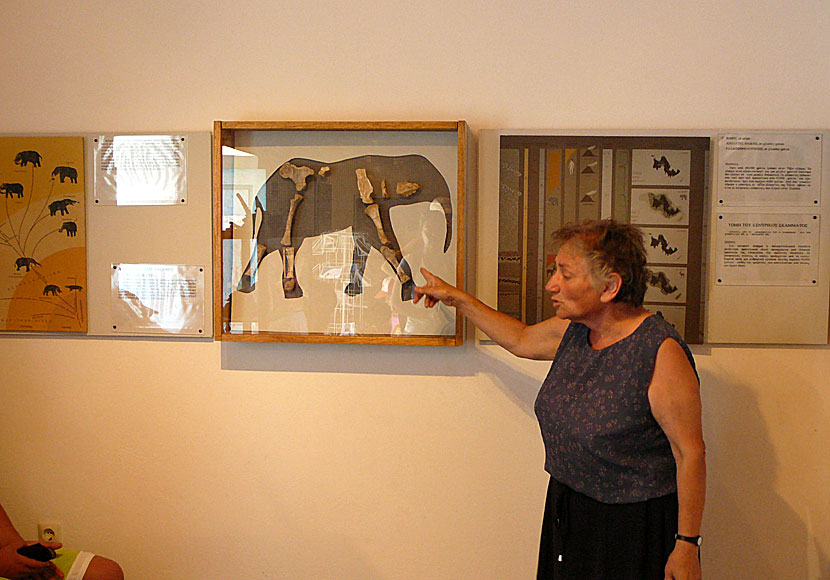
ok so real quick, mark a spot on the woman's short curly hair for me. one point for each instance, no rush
(611, 247)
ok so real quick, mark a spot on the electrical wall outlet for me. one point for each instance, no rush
(49, 532)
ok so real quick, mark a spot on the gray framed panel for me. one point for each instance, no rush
(177, 234)
(786, 312)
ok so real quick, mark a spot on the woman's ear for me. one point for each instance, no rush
(611, 287)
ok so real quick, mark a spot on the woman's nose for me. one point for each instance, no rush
(551, 286)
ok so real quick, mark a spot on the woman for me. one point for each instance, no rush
(619, 412)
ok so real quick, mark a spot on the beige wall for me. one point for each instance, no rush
(202, 460)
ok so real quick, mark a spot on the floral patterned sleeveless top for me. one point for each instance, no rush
(593, 410)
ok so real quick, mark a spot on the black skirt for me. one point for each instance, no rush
(585, 539)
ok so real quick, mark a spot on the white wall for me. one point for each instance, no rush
(208, 460)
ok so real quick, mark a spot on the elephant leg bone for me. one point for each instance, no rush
(364, 186)
(392, 257)
(289, 222)
(289, 277)
(374, 213)
(290, 287)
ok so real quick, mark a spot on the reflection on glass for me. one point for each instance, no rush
(141, 169)
(334, 246)
(160, 298)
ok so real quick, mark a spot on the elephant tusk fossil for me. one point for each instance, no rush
(374, 213)
(289, 222)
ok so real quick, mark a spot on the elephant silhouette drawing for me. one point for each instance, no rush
(61, 205)
(65, 173)
(665, 165)
(25, 157)
(25, 263)
(305, 198)
(12, 189)
(71, 228)
(51, 290)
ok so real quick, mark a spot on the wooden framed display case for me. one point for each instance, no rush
(320, 230)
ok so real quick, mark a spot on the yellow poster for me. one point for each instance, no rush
(42, 234)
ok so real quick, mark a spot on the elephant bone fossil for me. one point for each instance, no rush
(373, 211)
(364, 186)
(393, 257)
(289, 277)
(334, 208)
(385, 190)
(406, 188)
(324, 171)
(289, 222)
(296, 174)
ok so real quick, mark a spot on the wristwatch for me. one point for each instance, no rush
(696, 540)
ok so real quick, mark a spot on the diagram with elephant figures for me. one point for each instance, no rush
(42, 234)
(324, 233)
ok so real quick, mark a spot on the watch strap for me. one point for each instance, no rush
(696, 540)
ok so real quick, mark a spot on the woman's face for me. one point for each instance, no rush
(572, 288)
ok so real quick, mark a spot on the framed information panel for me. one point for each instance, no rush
(149, 198)
(320, 230)
(770, 275)
(546, 181)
